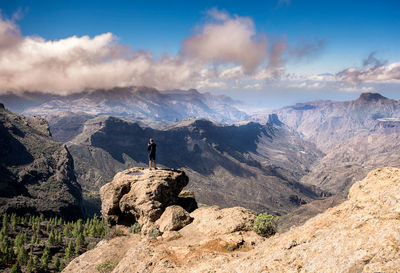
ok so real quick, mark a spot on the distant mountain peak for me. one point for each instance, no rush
(368, 97)
(274, 120)
(1, 106)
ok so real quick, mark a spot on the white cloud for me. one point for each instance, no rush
(373, 70)
(225, 52)
(232, 73)
(229, 40)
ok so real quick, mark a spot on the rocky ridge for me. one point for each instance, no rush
(360, 235)
(134, 102)
(36, 172)
(356, 137)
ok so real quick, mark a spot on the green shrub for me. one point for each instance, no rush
(107, 266)
(265, 224)
(155, 232)
(135, 228)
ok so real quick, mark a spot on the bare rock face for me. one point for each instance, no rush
(174, 218)
(186, 250)
(360, 235)
(214, 220)
(141, 195)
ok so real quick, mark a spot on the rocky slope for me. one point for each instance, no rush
(253, 165)
(136, 102)
(329, 123)
(357, 136)
(36, 172)
(360, 235)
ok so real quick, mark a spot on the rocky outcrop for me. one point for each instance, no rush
(174, 218)
(141, 195)
(211, 235)
(360, 235)
(36, 172)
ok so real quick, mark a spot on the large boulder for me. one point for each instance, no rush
(173, 218)
(141, 195)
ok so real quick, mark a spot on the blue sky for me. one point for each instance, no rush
(347, 32)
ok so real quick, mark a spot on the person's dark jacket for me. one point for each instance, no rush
(151, 148)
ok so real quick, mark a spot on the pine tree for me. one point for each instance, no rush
(33, 239)
(22, 256)
(66, 231)
(16, 268)
(45, 257)
(38, 228)
(57, 265)
(80, 240)
(13, 221)
(51, 239)
(30, 265)
(69, 251)
(19, 240)
(4, 224)
(35, 263)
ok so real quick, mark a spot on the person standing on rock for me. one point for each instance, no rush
(151, 149)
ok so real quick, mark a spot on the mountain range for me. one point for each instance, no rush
(281, 161)
(356, 136)
(255, 165)
(142, 103)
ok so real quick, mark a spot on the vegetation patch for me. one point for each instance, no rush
(265, 224)
(135, 228)
(39, 244)
(107, 266)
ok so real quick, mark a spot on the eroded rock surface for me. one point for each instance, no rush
(141, 195)
(174, 218)
(360, 235)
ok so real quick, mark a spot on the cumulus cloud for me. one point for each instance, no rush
(77, 63)
(10, 34)
(229, 40)
(226, 50)
(372, 70)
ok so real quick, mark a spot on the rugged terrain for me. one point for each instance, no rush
(360, 235)
(134, 102)
(36, 172)
(253, 165)
(356, 137)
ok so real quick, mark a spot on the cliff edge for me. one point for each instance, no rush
(360, 235)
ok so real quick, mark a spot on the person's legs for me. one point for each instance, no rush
(155, 164)
(149, 163)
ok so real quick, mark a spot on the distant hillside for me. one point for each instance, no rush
(328, 123)
(36, 172)
(356, 136)
(252, 165)
(134, 102)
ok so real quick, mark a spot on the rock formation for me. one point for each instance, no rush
(360, 235)
(36, 172)
(142, 195)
